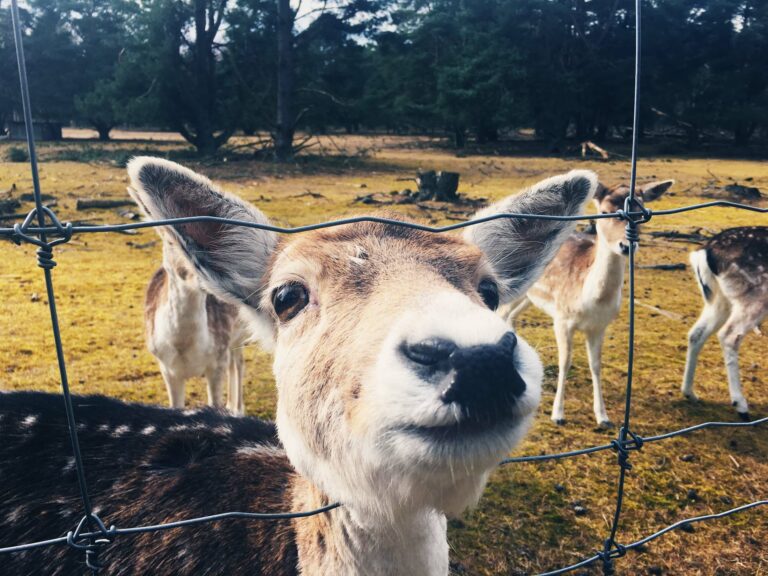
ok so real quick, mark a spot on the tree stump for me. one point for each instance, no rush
(441, 186)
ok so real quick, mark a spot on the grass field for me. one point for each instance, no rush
(533, 516)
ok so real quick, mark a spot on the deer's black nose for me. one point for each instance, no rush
(485, 382)
(482, 380)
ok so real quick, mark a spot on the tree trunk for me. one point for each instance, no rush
(459, 137)
(284, 128)
(103, 132)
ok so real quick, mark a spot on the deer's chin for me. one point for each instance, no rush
(476, 445)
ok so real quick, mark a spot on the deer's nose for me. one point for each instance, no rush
(485, 381)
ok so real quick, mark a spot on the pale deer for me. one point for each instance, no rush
(193, 333)
(399, 389)
(581, 290)
(732, 273)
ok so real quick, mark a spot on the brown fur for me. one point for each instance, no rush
(157, 292)
(187, 466)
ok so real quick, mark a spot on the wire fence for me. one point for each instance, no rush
(42, 228)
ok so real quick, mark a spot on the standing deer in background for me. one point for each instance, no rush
(581, 290)
(399, 389)
(732, 273)
(192, 333)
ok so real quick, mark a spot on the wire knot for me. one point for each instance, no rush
(634, 214)
(91, 543)
(624, 446)
(45, 248)
(63, 231)
(611, 550)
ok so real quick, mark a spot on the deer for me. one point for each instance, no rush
(581, 290)
(731, 271)
(192, 333)
(399, 389)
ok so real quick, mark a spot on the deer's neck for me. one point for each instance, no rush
(606, 275)
(186, 300)
(351, 542)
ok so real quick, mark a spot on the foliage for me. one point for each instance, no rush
(476, 69)
(16, 154)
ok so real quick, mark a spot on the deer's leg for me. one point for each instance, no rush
(564, 337)
(712, 317)
(235, 402)
(175, 386)
(515, 309)
(740, 322)
(215, 376)
(595, 356)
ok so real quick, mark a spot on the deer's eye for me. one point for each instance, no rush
(489, 292)
(289, 299)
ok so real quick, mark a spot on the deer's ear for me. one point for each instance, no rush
(231, 260)
(519, 249)
(654, 190)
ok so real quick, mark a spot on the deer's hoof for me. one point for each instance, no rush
(691, 396)
(744, 416)
(559, 421)
(606, 425)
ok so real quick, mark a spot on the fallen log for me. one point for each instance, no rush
(675, 235)
(588, 145)
(678, 266)
(100, 203)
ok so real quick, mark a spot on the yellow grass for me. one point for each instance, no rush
(526, 521)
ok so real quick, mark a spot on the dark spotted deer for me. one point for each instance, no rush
(732, 273)
(581, 290)
(399, 389)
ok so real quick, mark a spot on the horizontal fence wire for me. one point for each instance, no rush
(42, 228)
(20, 231)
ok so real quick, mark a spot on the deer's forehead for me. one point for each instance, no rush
(365, 252)
(615, 197)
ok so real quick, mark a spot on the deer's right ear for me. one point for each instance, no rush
(519, 249)
(231, 260)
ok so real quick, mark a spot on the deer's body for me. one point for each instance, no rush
(192, 333)
(399, 390)
(581, 291)
(143, 465)
(732, 273)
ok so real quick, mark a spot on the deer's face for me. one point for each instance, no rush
(398, 386)
(612, 231)
(394, 375)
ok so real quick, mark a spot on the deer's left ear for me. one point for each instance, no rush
(519, 249)
(654, 190)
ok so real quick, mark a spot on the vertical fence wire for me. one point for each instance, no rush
(611, 547)
(46, 262)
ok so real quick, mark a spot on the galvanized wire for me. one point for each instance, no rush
(50, 232)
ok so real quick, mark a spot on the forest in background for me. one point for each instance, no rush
(474, 70)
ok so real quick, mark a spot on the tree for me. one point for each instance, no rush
(103, 31)
(175, 69)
